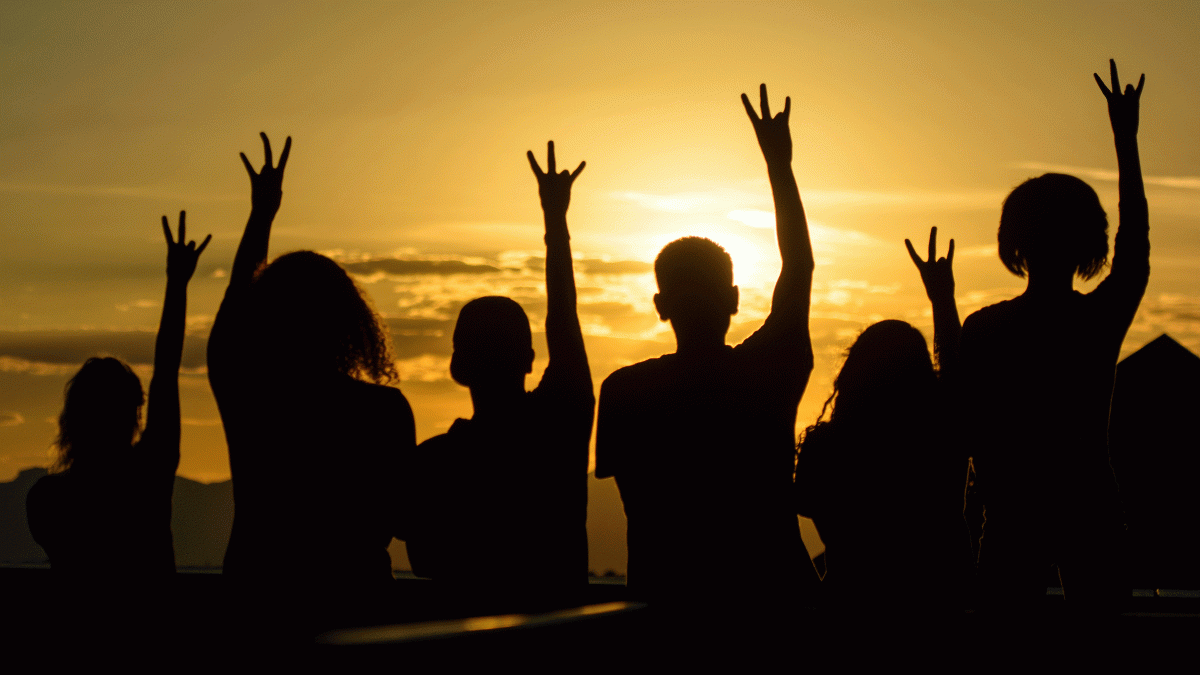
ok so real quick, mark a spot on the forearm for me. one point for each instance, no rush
(1131, 245)
(564, 335)
(162, 416)
(791, 226)
(947, 329)
(252, 250)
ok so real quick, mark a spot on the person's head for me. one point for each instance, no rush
(695, 286)
(311, 318)
(492, 343)
(887, 373)
(1053, 222)
(102, 412)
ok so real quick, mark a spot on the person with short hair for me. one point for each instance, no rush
(1038, 374)
(499, 502)
(701, 442)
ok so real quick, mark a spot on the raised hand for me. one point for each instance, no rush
(936, 273)
(1122, 108)
(266, 186)
(774, 137)
(553, 187)
(181, 257)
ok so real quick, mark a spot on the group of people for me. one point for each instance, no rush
(701, 442)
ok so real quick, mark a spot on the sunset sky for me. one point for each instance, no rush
(410, 123)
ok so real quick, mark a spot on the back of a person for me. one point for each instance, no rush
(1045, 373)
(315, 481)
(103, 523)
(502, 502)
(711, 472)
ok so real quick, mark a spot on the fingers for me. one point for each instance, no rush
(287, 149)
(249, 166)
(182, 226)
(912, 253)
(533, 164)
(266, 148)
(167, 232)
(204, 244)
(1116, 84)
(932, 244)
(950, 255)
(1100, 82)
(578, 170)
(551, 167)
(762, 98)
(787, 107)
(1141, 81)
(749, 108)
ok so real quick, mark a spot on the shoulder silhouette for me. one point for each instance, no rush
(701, 442)
(1038, 375)
(499, 502)
(105, 509)
(299, 362)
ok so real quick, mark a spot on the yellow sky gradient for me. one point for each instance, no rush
(410, 123)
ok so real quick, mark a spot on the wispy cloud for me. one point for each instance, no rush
(132, 191)
(1184, 182)
(11, 418)
(693, 201)
(968, 199)
(400, 268)
(738, 204)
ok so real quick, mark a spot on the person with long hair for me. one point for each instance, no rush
(105, 507)
(1038, 374)
(300, 365)
(887, 503)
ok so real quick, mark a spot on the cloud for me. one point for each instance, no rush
(425, 368)
(591, 266)
(971, 199)
(206, 422)
(10, 418)
(138, 192)
(1183, 182)
(696, 201)
(402, 268)
(754, 218)
(46, 352)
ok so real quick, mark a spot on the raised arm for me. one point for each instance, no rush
(162, 414)
(1131, 245)
(938, 277)
(266, 191)
(793, 289)
(568, 367)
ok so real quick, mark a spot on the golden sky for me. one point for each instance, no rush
(410, 121)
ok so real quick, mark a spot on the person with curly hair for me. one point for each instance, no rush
(300, 365)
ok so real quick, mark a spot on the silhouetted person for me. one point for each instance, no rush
(298, 362)
(888, 502)
(1038, 371)
(104, 511)
(501, 512)
(702, 442)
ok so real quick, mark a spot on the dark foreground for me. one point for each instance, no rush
(195, 619)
